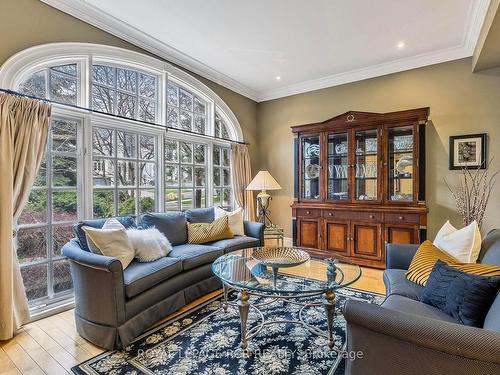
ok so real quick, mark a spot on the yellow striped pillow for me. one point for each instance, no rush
(426, 257)
(208, 232)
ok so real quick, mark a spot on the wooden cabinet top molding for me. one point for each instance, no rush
(355, 119)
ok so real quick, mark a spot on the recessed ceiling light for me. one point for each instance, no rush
(401, 45)
(278, 78)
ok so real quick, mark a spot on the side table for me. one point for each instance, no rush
(273, 232)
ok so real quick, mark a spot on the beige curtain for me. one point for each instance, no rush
(24, 125)
(242, 176)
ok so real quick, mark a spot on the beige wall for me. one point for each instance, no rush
(461, 102)
(27, 23)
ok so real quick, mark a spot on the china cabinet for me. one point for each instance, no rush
(360, 184)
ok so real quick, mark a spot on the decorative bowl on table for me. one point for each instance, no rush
(280, 257)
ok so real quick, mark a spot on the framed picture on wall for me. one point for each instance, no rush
(468, 151)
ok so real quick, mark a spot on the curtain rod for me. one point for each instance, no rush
(12, 92)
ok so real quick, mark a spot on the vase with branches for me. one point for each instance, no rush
(473, 193)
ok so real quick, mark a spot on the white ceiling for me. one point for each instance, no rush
(310, 44)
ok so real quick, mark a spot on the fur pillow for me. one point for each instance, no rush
(149, 244)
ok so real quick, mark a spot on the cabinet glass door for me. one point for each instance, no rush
(401, 162)
(311, 167)
(338, 167)
(366, 165)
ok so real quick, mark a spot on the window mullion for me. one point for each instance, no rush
(49, 171)
(210, 174)
(160, 172)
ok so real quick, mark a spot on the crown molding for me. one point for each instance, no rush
(88, 13)
(104, 21)
(475, 19)
(372, 71)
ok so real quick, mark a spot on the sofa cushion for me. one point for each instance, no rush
(396, 283)
(410, 306)
(126, 221)
(236, 243)
(492, 320)
(490, 248)
(193, 256)
(200, 215)
(172, 224)
(140, 276)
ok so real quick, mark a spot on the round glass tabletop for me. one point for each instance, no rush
(238, 269)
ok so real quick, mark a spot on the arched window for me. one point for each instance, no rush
(98, 165)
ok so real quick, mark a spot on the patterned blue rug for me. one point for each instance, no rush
(205, 341)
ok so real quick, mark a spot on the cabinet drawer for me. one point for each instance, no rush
(353, 215)
(401, 218)
(305, 212)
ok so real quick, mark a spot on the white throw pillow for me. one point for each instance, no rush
(462, 244)
(111, 223)
(111, 242)
(149, 244)
(235, 219)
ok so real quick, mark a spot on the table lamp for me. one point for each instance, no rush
(263, 181)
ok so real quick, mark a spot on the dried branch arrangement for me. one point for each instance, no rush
(473, 193)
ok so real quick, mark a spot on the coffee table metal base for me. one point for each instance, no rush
(243, 304)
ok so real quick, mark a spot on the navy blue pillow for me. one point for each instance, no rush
(464, 296)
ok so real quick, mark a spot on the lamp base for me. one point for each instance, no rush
(263, 211)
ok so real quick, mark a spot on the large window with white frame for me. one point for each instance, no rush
(175, 158)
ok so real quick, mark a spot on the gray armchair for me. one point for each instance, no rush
(406, 336)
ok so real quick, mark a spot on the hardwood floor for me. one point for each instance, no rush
(51, 346)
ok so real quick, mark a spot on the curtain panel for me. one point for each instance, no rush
(242, 176)
(24, 125)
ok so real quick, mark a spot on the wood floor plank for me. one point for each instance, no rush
(22, 360)
(70, 345)
(42, 358)
(7, 367)
(55, 350)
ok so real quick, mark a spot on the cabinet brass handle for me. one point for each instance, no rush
(330, 214)
(401, 217)
(308, 212)
(372, 216)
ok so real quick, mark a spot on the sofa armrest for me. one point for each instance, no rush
(255, 230)
(399, 256)
(392, 341)
(98, 285)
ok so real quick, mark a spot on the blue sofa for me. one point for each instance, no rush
(113, 306)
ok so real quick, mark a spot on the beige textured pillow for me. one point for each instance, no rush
(112, 243)
(235, 219)
(111, 223)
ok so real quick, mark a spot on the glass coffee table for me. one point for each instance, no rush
(312, 283)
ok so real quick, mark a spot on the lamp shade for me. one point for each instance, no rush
(263, 181)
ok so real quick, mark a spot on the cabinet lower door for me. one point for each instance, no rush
(337, 236)
(401, 234)
(366, 240)
(308, 233)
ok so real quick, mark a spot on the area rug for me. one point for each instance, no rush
(205, 341)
